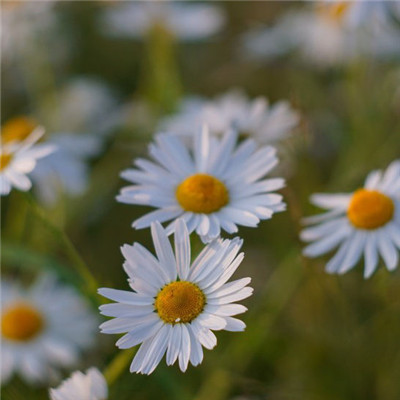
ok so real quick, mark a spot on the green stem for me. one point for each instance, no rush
(118, 365)
(67, 245)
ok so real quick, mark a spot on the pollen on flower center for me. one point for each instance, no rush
(370, 209)
(21, 322)
(334, 11)
(202, 193)
(4, 160)
(17, 129)
(179, 302)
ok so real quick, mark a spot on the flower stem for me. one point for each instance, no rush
(68, 247)
(118, 365)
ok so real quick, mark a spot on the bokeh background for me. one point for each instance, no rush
(309, 335)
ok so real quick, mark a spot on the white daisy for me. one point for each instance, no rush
(89, 386)
(253, 118)
(329, 33)
(19, 153)
(187, 22)
(218, 186)
(63, 170)
(175, 305)
(43, 328)
(366, 222)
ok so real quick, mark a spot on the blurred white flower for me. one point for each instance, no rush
(217, 186)
(251, 118)
(89, 386)
(174, 304)
(24, 24)
(19, 154)
(43, 328)
(364, 222)
(329, 33)
(84, 104)
(184, 20)
(66, 170)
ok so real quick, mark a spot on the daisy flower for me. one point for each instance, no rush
(89, 386)
(218, 186)
(19, 153)
(187, 22)
(329, 33)
(256, 118)
(363, 223)
(175, 306)
(62, 170)
(43, 328)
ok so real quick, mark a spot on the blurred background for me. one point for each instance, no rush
(99, 73)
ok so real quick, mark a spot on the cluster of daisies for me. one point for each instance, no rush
(205, 184)
(208, 174)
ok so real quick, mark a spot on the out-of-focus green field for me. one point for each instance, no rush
(310, 335)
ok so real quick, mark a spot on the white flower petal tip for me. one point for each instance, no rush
(236, 113)
(219, 185)
(38, 348)
(174, 305)
(185, 22)
(364, 224)
(79, 386)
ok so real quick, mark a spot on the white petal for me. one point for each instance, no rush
(387, 250)
(182, 249)
(164, 250)
(234, 325)
(184, 354)
(370, 255)
(124, 296)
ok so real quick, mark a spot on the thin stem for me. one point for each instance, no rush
(118, 365)
(68, 247)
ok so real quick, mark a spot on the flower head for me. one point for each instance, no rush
(175, 304)
(89, 386)
(365, 222)
(42, 328)
(19, 153)
(329, 33)
(218, 186)
(185, 21)
(257, 119)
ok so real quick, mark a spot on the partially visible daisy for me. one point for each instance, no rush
(175, 305)
(43, 328)
(19, 154)
(26, 27)
(84, 105)
(185, 21)
(89, 386)
(256, 118)
(329, 33)
(363, 223)
(65, 169)
(219, 186)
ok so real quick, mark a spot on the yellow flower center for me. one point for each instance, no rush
(202, 193)
(17, 129)
(21, 322)
(370, 209)
(179, 302)
(4, 160)
(334, 11)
